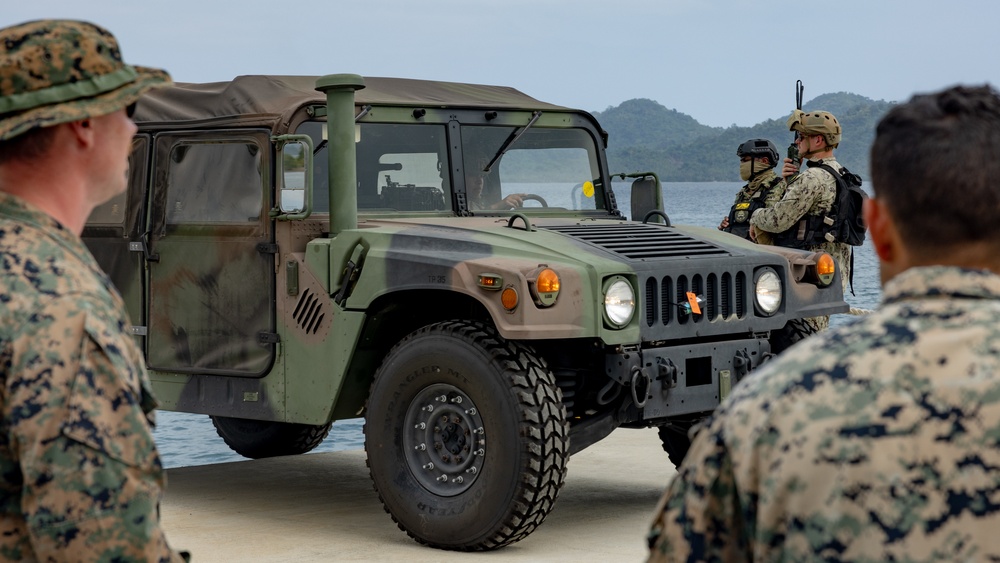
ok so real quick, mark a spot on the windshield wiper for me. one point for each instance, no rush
(514, 136)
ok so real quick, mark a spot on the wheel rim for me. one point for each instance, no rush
(443, 440)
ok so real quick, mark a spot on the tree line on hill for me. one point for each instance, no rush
(646, 136)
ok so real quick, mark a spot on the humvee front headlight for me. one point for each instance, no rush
(619, 302)
(767, 291)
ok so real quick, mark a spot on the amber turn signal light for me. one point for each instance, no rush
(826, 267)
(508, 298)
(544, 283)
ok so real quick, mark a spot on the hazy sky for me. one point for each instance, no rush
(723, 62)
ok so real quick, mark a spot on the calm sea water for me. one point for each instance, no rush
(187, 439)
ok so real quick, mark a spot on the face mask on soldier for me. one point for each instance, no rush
(758, 167)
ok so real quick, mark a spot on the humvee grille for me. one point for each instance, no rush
(640, 241)
(722, 297)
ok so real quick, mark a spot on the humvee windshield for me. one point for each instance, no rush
(405, 168)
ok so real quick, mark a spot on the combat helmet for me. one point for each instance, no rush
(816, 123)
(759, 148)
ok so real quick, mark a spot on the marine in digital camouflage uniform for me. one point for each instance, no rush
(874, 441)
(811, 192)
(764, 188)
(80, 476)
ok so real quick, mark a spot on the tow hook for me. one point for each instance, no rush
(666, 372)
(742, 364)
(641, 382)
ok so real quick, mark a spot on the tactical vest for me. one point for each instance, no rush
(739, 214)
(813, 230)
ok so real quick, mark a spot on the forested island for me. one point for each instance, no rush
(646, 136)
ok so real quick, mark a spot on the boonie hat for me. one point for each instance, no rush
(57, 71)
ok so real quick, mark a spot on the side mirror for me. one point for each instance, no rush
(294, 177)
(647, 196)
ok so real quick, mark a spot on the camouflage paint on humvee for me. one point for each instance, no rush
(291, 257)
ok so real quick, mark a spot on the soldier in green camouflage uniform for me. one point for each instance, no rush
(811, 192)
(875, 441)
(758, 157)
(80, 477)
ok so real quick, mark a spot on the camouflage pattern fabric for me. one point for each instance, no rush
(80, 477)
(751, 190)
(874, 441)
(57, 71)
(812, 192)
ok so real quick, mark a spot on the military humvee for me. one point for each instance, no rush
(299, 250)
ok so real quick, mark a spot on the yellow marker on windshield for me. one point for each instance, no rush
(588, 188)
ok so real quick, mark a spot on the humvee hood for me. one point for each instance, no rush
(571, 240)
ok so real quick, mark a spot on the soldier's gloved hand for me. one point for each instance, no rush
(724, 223)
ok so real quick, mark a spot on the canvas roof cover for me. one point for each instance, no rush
(267, 99)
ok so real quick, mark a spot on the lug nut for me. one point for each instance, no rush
(429, 466)
(421, 447)
(421, 426)
(442, 478)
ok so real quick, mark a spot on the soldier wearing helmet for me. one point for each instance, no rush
(80, 476)
(809, 196)
(758, 157)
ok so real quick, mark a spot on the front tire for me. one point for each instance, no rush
(258, 439)
(794, 331)
(466, 436)
(674, 436)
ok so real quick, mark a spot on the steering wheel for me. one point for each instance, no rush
(533, 197)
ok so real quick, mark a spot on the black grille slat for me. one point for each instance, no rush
(698, 288)
(741, 301)
(667, 300)
(712, 297)
(726, 295)
(681, 298)
(650, 301)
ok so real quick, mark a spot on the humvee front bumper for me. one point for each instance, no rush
(684, 379)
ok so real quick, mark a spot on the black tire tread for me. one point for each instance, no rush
(793, 331)
(675, 441)
(282, 438)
